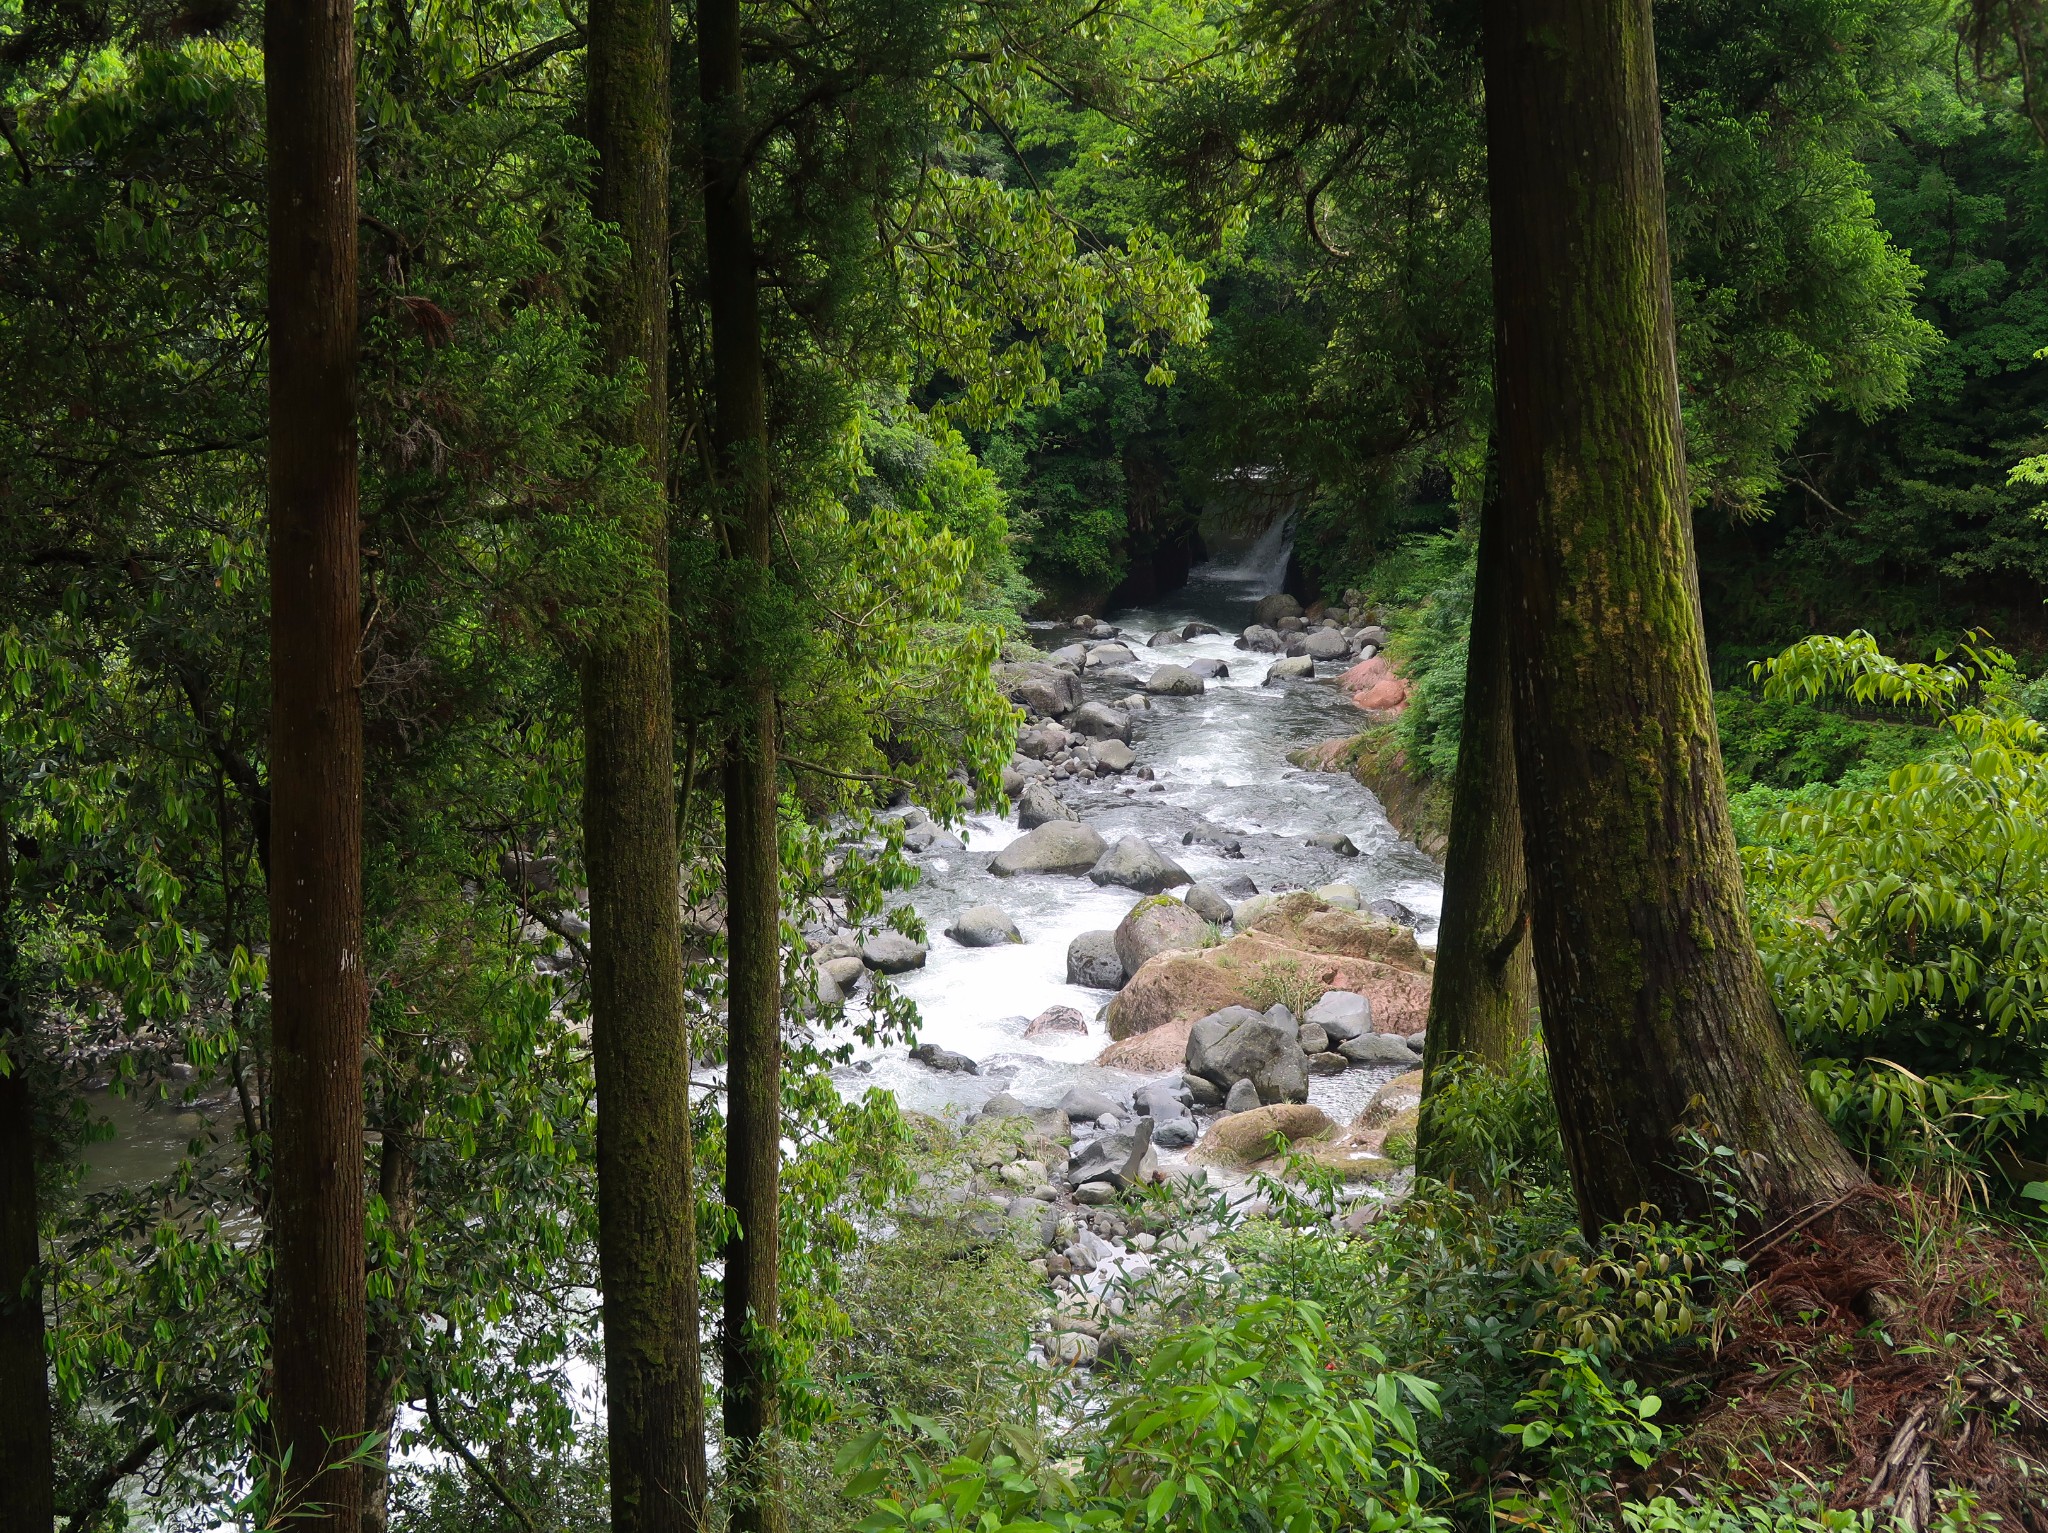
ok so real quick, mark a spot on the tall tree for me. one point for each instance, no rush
(25, 1462)
(647, 1239)
(319, 998)
(1656, 1010)
(1484, 990)
(753, 1136)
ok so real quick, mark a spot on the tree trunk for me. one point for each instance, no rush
(1484, 989)
(26, 1467)
(1655, 1007)
(647, 1234)
(384, 1366)
(319, 1001)
(753, 1155)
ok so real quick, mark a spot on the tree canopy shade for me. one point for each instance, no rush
(1659, 1023)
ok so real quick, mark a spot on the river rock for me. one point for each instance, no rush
(1244, 1139)
(1395, 911)
(984, 926)
(1235, 886)
(892, 953)
(1103, 656)
(1164, 637)
(1377, 1049)
(1075, 655)
(1059, 846)
(932, 1057)
(1343, 896)
(1326, 644)
(1174, 681)
(1292, 669)
(1242, 1097)
(1250, 908)
(1043, 742)
(1048, 1121)
(1374, 635)
(1039, 686)
(1039, 805)
(1208, 902)
(1135, 863)
(1121, 1159)
(1082, 1105)
(1301, 920)
(1314, 1038)
(1328, 1063)
(1176, 1133)
(1394, 1098)
(1204, 1093)
(1157, 924)
(1083, 621)
(847, 973)
(1197, 629)
(1160, 1100)
(1262, 639)
(1290, 624)
(1238, 1043)
(1341, 1014)
(1334, 841)
(829, 996)
(1099, 721)
(1208, 670)
(1271, 609)
(1112, 756)
(1208, 835)
(932, 838)
(1056, 1019)
(1092, 961)
(1013, 782)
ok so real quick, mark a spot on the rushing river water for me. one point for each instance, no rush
(1220, 766)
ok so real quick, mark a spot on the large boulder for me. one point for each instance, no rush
(1056, 1019)
(1135, 863)
(1038, 805)
(1059, 846)
(1261, 638)
(1121, 1159)
(1102, 656)
(1377, 1049)
(1039, 686)
(1272, 608)
(1394, 1097)
(984, 926)
(932, 1057)
(1301, 920)
(1244, 1139)
(1099, 721)
(1341, 1015)
(1164, 637)
(1092, 961)
(1295, 668)
(892, 953)
(1210, 903)
(1112, 756)
(1239, 1044)
(1326, 644)
(1208, 670)
(1075, 655)
(1155, 925)
(1084, 1106)
(1174, 681)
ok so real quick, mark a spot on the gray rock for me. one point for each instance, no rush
(1059, 846)
(1043, 743)
(932, 838)
(1112, 756)
(1159, 1101)
(1328, 1064)
(1197, 629)
(1204, 835)
(1280, 1016)
(1080, 1103)
(1236, 886)
(1343, 896)
(1174, 681)
(1208, 670)
(1049, 1121)
(1260, 638)
(1314, 1039)
(1373, 635)
(1075, 655)
(1092, 961)
(1341, 1014)
(1246, 911)
(1204, 1093)
(847, 973)
(1377, 1049)
(1292, 669)
(1395, 911)
(1013, 782)
(1238, 1043)
(1039, 686)
(1176, 1133)
(1158, 925)
(1099, 721)
(1290, 624)
(1119, 1158)
(1102, 656)
(1243, 1097)
(1039, 805)
(892, 953)
(1135, 863)
(933, 1057)
(830, 997)
(1095, 1193)
(1334, 841)
(1164, 637)
(1208, 902)
(1417, 1042)
(1273, 608)
(1297, 647)
(1326, 644)
(984, 926)
(1056, 1019)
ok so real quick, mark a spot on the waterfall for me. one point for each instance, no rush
(1264, 565)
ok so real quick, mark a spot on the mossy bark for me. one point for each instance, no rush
(647, 1240)
(26, 1467)
(1484, 989)
(753, 1134)
(1655, 1007)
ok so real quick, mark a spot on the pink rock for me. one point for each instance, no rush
(1366, 674)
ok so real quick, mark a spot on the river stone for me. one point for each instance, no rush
(1092, 961)
(1075, 655)
(1056, 1019)
(1273, 608)
(847, 973)
(1377, 1049)
(1395, 911)
(1174, 681)
(1204, 1093)
(1039, 686)
(1084, 621)
(1326, 644)
(984, 926)
(1094, 1194)
(1207, 835)
(1099, 721)
(1261, 638)
(1242, 1097)
(1238, 1043)
(1314, 1038)
(1334, 841)
(932, 838)
(1049, 1121)
(1343, 896)
(1291, 669)
(1341, 1014)
(1197, 629)
(1208, 902)
(1164, 637)
(1250, 908)
(1102, 656)
(1039, 805)
(1059, 846)
(1176, 1133)
(1080, 1104)
(1208, 670)
(1374, 635)
(1013, 782)
(1135, 863)
(933, 1057)
(1236, 886)
(1330, 1063)
(1113, 755)
(829, 995)
(892, 953)
(1244, 1139)
(1157, 924)
(1159, 1101)
(1120, 1159)
(1290, 624)
(1043, 742)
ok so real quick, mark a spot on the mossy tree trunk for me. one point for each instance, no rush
(647, 1241)
(319, 996)
(26, 1467)
(1655, 1007)
(1484, 989)
(753, 1133)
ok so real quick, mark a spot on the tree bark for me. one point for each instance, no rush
(647, 1234)
(1484, 990)
(753, 1157)
(319, 1001)
(1656, 1011)
(26, 1467)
